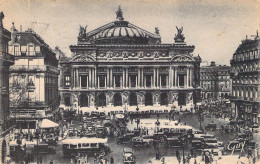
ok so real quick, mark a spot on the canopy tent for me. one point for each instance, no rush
(48, 124)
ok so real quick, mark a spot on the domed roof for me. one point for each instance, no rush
(120, 32)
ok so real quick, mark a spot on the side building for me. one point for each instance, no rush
(121, 66)
(215, 82)
(245, 67)
(6, 60)
(33, 79)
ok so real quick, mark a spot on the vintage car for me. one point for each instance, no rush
(159, 137)
(197, 144)
(44, 148)
(128, 156)
(198, 134)
(211, 143)
(51, 139)
(148, 138)
(211, 126)
(138, 142)
(173, 142)
(124, 138)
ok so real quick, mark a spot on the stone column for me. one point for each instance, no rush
(90, 78)
(191, 72)
(123, 78)
(157, 76)
(111, 78)
(170, 78)
(138, 78)
(127, 77)
(154, 77)
(107, 78)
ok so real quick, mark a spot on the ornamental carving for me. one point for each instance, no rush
(140, 54)
(125, 54)
(181, 58)
(190, 96)
(156, 54)
(109, 54)
(85, 57)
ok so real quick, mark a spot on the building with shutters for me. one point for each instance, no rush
(122, 65)
(215, 82)
(6, 60)
(245, 101)
(33, 79)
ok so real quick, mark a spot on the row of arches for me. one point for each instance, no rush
(117, 99)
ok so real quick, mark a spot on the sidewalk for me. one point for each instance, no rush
(223, 160)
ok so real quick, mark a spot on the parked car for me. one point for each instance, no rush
(173, 142)
(148, 138)
(128, 156)
(197, 144)
(211, 126)
(44, 148)
(124, 138)
(138, 142)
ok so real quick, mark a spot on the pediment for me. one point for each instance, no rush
(83, 58)
(182, 58)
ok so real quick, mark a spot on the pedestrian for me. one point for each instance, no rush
(51, 162)
(177, 154)
(40, 160)
(163, 159)
(111, 160)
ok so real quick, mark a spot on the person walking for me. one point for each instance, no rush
(111, 160)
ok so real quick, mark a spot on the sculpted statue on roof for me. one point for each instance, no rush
(82, 31)
(179, 37)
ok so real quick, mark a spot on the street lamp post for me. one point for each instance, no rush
(157, 142)
(183, 147)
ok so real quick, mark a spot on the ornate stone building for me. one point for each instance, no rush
(120, 64)
(215, 81)
(33, 79)
(246, 80)
(6, 60)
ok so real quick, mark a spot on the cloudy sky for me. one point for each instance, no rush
(215, 27)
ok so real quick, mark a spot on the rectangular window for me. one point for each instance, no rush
(148, 81)
(67, 81)
(102, 80)
(31, 51)
(133, 81)
(16, 51)
(117, 81)
(83, 81)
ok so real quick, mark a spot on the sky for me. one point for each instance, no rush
(214, 27)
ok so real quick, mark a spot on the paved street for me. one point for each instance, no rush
(144, 155)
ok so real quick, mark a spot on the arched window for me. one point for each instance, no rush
(132, 99)
(148, 99)
(164, 98)
(117, 99)
(83, 100)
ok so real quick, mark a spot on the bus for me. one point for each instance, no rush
(84, 145)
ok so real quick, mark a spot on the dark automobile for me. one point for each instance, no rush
(138, 142)
(128, 156)
(197, 144)
(159, 137)
(44, 148)
(211, 126)
(124, 138)
(173, 142)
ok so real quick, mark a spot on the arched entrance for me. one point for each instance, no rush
(83, 100)
(3, 151)
(132, 99)
(182, 98)
(117, 99)
(102, 99)
(148, 99)
(164, 98)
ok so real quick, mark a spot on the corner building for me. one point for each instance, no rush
(120, 64)
(245, 100)
(6, 124)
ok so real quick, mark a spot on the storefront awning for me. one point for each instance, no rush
(48, 124)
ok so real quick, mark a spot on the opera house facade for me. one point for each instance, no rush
(120, 64)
